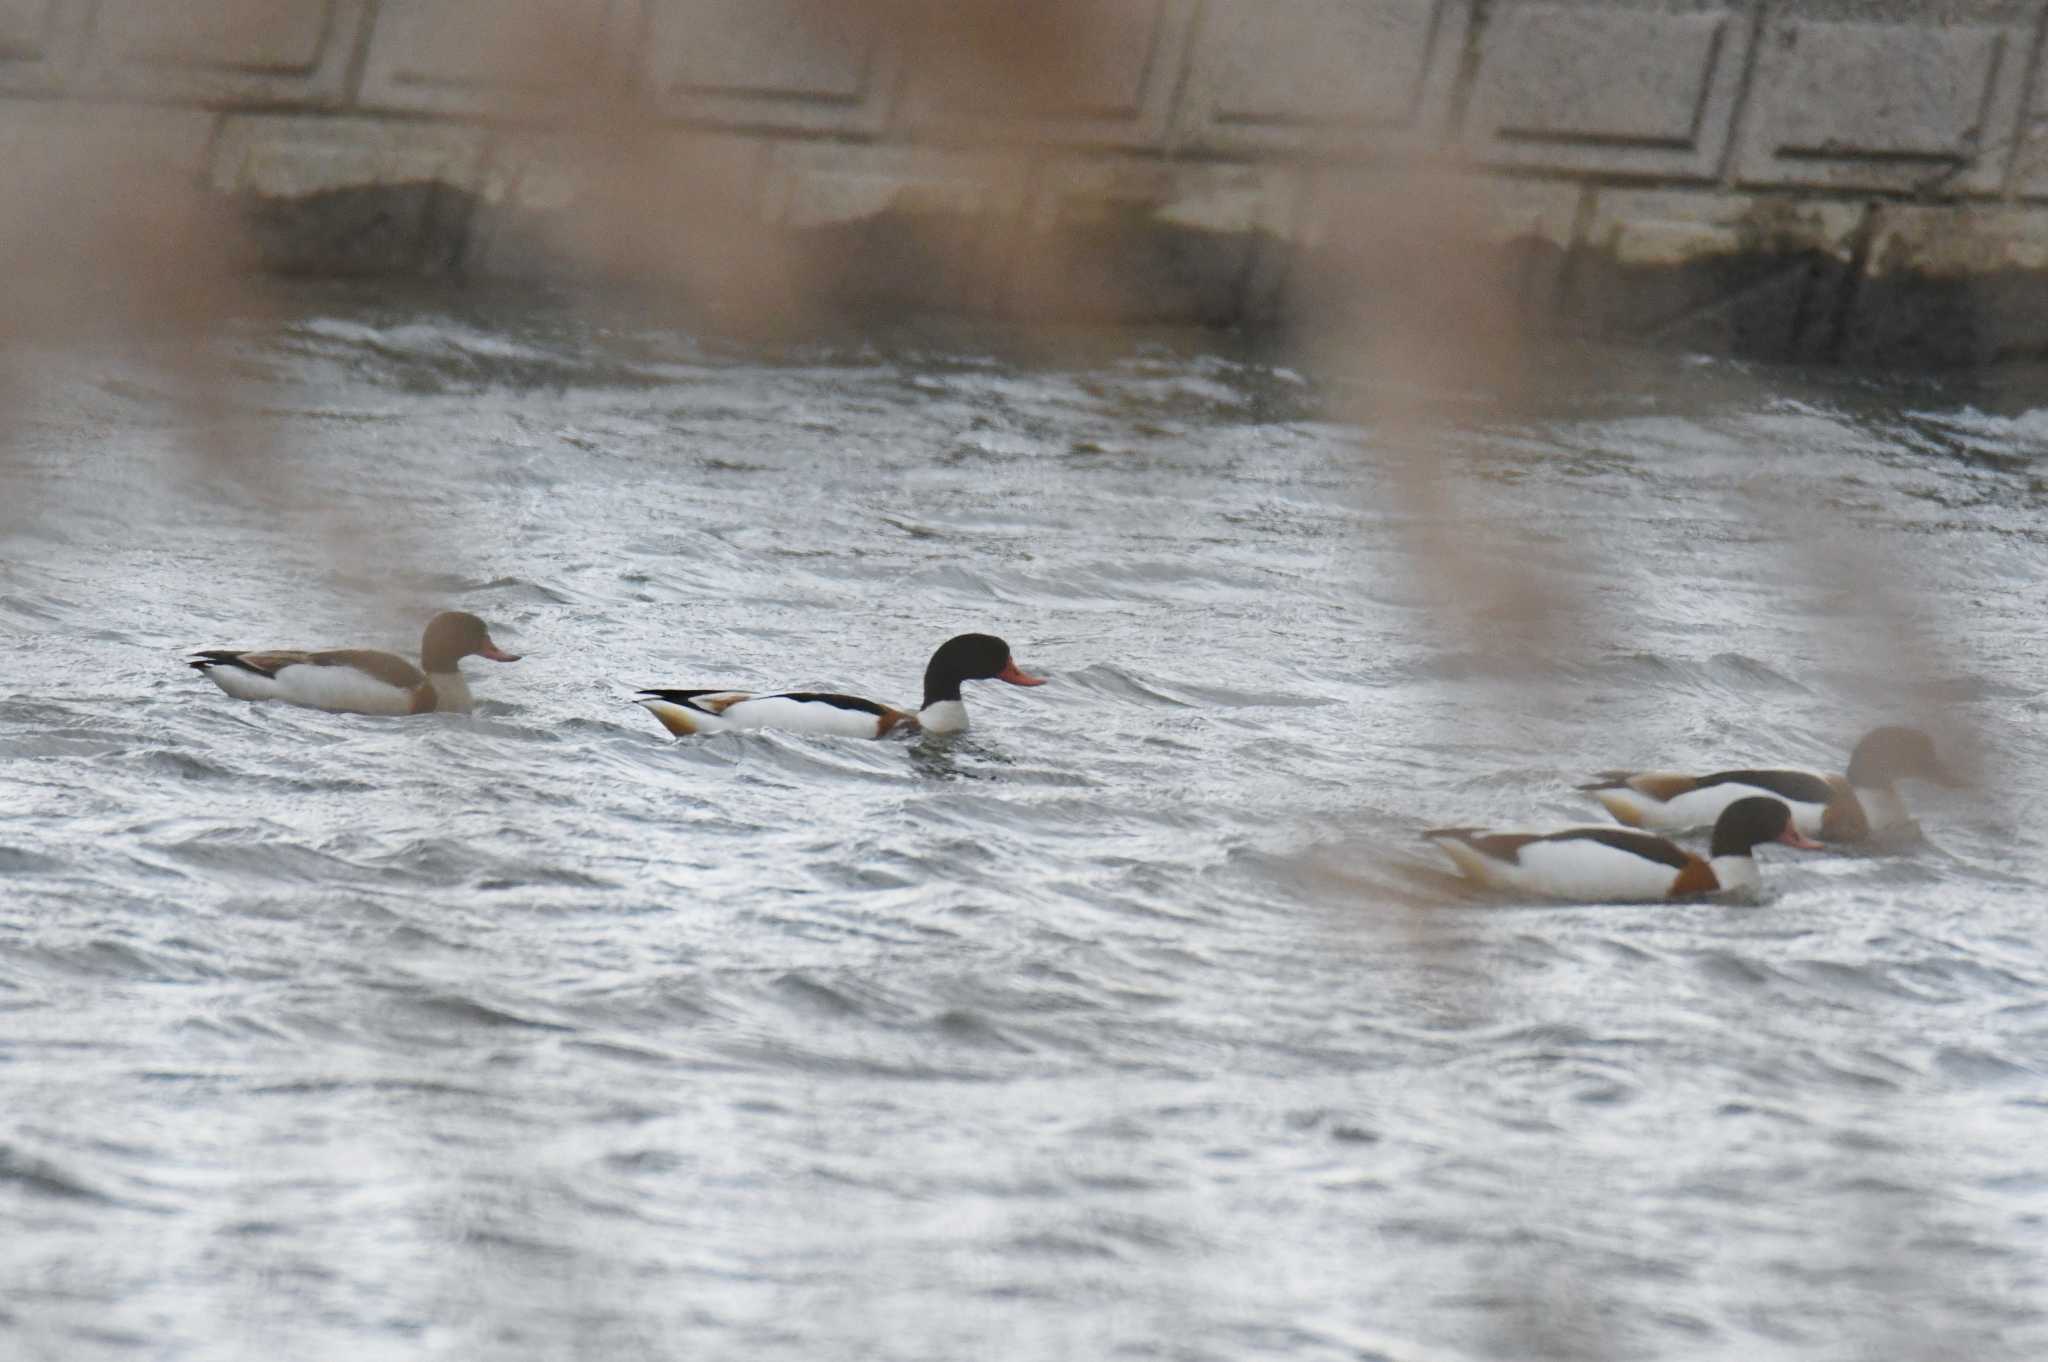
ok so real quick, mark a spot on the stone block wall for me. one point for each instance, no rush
(1820, 179)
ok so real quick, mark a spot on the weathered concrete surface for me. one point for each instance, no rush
(1608, 90)
(1945, 286)
(1720, 272)
(1863, 180)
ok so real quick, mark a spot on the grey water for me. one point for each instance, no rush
(1134, 1023)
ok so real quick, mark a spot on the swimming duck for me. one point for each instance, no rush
(361, 680)
(1847, 808)
(968, 657)
(1605, 864)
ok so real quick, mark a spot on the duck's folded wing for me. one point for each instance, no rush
(1501, 846)
(832, 699)
(261, 663)
(1798, 787)
(1646, 845)
(1659, 785)
(684, 712)
(389, 668)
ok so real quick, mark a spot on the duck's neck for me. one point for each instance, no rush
(943, 716)
(943, 710)
(1736, 872)
(451, 692)
(939, 686)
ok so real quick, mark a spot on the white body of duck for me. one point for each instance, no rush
(360, 680)
(968, 657)
(1600, 863)
(1864, 802)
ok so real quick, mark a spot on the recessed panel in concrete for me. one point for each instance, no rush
(1322, 75)
(518, 58)
(287, 50)
(804, 65)
(1101, 72)
(1616, 91)
(1910, 108)
(255, 35)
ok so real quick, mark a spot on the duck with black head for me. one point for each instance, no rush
(360, 680)
(966, 657)
(1860, 803)
(1599, 863)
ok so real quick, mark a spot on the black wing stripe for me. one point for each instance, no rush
(1799, 786)
(685, 697)
(1647, 845)
(813, 697)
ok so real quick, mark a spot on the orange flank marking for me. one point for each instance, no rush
(1697, 878)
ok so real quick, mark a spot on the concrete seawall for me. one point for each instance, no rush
(1860, 180)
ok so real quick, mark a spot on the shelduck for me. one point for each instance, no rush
(360, 680)
(1605, 864)
(968, 657)
(1863, 802)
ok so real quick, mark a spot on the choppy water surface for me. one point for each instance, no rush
(1135, 1023)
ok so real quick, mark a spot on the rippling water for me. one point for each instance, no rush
(1135, 1023)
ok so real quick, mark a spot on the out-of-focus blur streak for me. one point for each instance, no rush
(1414, 306)
(1874, 618)
(648, 201)
(106, 233)
(637, 199)
(994, 58)
(101, 234)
